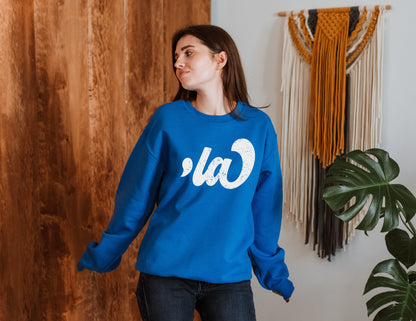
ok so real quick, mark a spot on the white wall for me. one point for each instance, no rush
(327, 291)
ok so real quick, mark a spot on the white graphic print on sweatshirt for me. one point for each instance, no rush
(242, 146)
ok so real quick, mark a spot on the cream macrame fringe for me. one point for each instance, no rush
(296, 156)
(366, 82)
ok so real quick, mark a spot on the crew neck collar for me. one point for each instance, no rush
(213, 118)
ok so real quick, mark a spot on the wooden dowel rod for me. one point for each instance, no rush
(285, 13)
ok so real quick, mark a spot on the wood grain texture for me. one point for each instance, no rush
(81, 78)
(109, 149)
(62, 144)
(19, 230)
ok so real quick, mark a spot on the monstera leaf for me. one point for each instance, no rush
(401, 246)
(400, 302)
(364, 177)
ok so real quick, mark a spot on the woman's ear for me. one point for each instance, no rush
(221, 59)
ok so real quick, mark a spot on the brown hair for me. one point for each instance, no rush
(217, 40)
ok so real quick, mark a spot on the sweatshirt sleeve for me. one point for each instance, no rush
(266, 256)
(135, 199)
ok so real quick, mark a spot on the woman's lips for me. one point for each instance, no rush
(181, 74)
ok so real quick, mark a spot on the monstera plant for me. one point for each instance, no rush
(361, 182)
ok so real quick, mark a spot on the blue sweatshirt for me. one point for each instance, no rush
(217, 184)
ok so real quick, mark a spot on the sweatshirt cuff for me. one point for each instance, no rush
(286, 289)
(271, 271)
(100, 257)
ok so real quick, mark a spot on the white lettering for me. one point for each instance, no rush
(242, 146)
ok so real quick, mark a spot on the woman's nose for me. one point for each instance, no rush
(179, 64)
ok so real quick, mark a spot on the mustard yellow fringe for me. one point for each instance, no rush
(296, 40)
(328, 81)
(304, 29)
(358, 27)
(368, 34)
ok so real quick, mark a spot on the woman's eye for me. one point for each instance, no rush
(188, 53)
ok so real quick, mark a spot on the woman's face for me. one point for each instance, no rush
(196, 67)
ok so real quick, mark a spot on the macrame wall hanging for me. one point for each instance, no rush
(331, 85)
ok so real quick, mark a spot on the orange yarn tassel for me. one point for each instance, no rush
(328, 81)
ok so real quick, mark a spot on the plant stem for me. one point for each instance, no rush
(412, 228)
(409, 224)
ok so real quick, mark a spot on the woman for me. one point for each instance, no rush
(210, 162)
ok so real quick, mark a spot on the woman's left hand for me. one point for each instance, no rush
(281, 296)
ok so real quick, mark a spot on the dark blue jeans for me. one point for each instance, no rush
(174, 299)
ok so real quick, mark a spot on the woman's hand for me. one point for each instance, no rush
(281, 296)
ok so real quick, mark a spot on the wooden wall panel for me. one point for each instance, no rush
(107, 145)
(81, 78)
(62, 144)
(19, 236)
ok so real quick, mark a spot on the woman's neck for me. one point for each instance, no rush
(212, 104)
